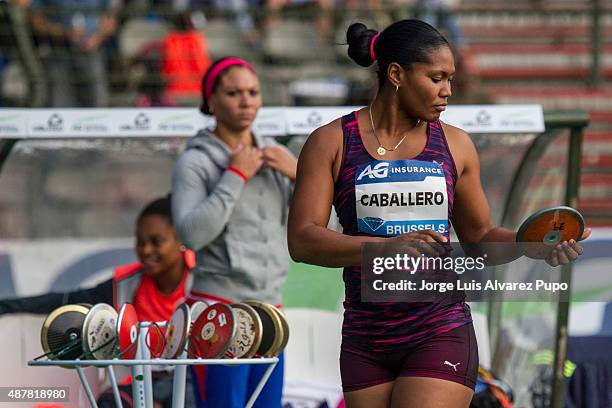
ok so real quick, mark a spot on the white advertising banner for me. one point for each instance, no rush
(271, 121)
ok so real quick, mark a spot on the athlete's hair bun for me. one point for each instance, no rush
(359, 38)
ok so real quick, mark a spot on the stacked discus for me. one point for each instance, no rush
(242, 330)
(90, 332)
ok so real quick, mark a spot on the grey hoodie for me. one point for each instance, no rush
(237, 229)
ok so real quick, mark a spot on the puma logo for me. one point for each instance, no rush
(448, 363)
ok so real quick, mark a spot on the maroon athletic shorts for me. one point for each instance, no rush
(451, 356)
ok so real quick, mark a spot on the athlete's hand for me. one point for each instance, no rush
(426, 242)
(247, 159)
(567, 251)
(281, 160)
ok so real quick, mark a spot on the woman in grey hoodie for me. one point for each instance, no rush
(230, 194)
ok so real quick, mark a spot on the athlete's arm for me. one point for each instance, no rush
(309, 238)
(200, 215)
(43, 304)
(472, 216)
(471, 213)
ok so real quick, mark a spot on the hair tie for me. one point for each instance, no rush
(219, 68)
(372, 54)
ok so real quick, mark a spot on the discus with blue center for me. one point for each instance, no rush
(540, 232)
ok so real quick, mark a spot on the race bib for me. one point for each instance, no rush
(401, 196)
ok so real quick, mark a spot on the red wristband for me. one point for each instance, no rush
(238, 172)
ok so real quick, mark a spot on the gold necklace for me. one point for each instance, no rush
(381, 150)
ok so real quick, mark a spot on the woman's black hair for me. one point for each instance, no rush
(404, 42)
(160, 206)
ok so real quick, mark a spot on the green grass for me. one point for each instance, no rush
(314, 287)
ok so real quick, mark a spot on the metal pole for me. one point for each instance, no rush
(5, 150)
(113, 381)
(596, 43)
(138, 390)
(260, 386)
(555, 122)
(90, 396)
(561, 333)
(148, 378)
(178, 385)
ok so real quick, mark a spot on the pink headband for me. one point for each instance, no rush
(219, 68)
(372, 54)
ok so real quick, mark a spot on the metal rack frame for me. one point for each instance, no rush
(142, 390)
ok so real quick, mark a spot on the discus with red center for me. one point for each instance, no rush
(127, 329)
(214, 331)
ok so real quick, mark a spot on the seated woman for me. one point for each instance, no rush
(155, 285)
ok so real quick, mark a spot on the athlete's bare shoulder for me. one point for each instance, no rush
(324, 147)
(455, 135)
(327, 136)
(460, 144)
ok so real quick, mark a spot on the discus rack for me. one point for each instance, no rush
(142, 386)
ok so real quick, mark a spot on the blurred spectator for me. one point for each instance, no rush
(440, 14)
(16, 44)
(323, 18)
(238, 10)
(185, 59)
(363, 4)
(72, 33)
(174, 66)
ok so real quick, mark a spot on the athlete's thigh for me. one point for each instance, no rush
(426, 392)
(376, 396)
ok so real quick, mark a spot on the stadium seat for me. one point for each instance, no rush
(293, 41)
(224, 39)
(137, 33)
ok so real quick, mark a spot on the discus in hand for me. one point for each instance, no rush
(542, 231)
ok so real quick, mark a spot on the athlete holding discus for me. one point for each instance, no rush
(390, 170)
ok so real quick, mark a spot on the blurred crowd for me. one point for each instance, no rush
(67, 48)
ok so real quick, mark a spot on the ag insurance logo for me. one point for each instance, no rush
(380, 170)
